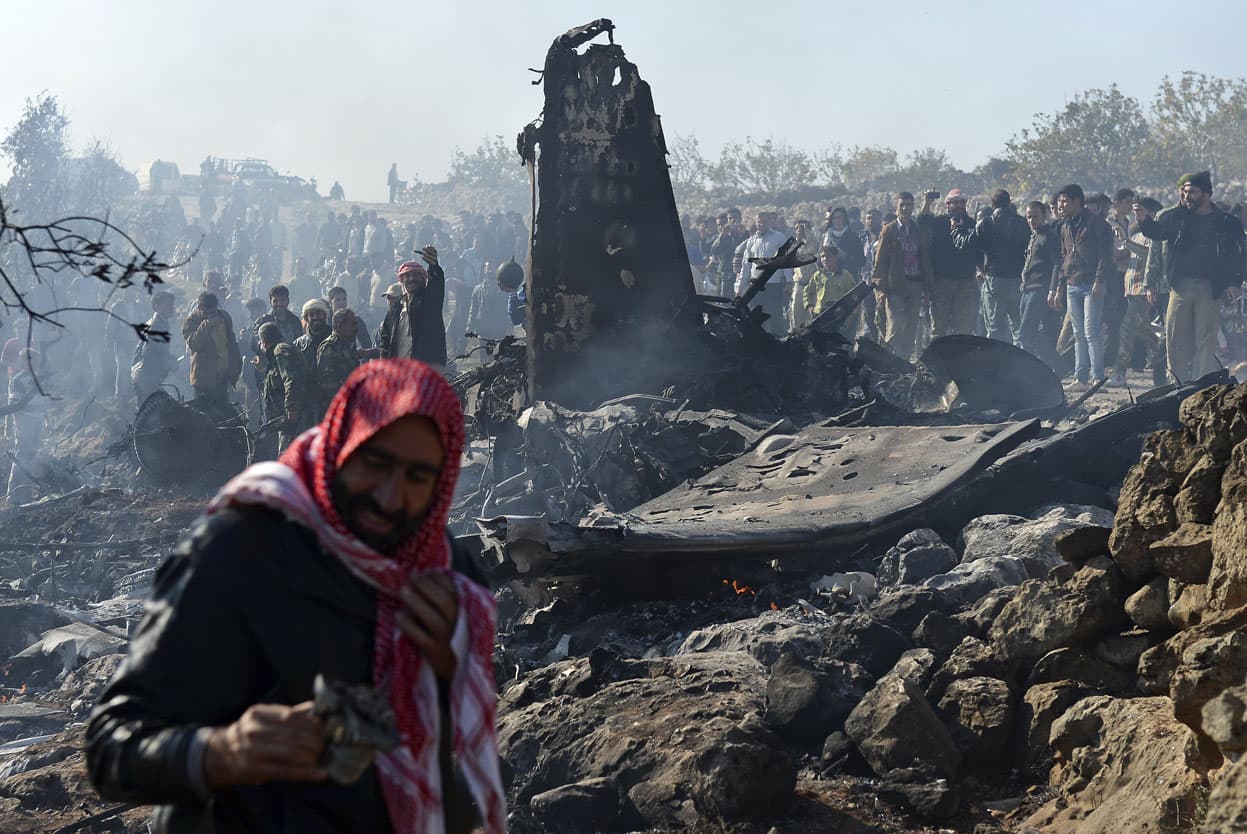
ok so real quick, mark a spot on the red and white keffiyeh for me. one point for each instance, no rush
(299, 485)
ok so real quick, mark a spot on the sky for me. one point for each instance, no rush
(341, 90)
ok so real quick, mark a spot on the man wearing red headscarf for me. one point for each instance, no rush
(414, 328)
(333, 560)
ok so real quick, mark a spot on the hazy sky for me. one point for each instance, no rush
(341, 90)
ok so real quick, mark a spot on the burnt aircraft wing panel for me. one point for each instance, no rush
(610, 289)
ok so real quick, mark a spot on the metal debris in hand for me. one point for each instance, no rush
(359, 723)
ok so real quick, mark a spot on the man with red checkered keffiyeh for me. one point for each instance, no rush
(333, 560)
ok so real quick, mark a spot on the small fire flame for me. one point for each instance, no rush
(774, 607)
(740, 588)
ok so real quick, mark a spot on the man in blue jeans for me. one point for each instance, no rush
(1086, 258)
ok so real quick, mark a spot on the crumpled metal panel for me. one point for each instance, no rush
(610, 291)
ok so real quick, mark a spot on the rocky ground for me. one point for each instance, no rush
(1071, 669)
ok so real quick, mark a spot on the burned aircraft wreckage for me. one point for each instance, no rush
(643, 430)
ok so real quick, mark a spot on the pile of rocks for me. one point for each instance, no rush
(1101, 654)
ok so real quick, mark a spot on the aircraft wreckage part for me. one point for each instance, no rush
(1080, 466)
(176, 443)
(610, 290)
(743, 514)
(824, 488)
(990, 374)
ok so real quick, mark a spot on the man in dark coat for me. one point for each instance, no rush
(414, 328)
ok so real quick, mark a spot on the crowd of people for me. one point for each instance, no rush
(1118, 281)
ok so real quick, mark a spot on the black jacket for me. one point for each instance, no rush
(1168, 227)
(1004, 235)
(428, 329)
(955, 249)
(247, 610)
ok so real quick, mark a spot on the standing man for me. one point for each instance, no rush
(153, 358)
(215, 360)
(765, 243)
(337, 302)
(316, 329)
(1086, 259)
(333, 560)
(336, 357)
(391, 180)
(1202, 258)
(1140, 299)
(414, 328)
(1040, 275)
(902, 276)
(955, 259)
(1004, 236)
(279, 314)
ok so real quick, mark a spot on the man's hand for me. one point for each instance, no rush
(1141, 212)
(431, 607)
(429, 253)
(1097, 290)
(269, 743)
(1054, 300)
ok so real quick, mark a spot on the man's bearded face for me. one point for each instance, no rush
(384, 490)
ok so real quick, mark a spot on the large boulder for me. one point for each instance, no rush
(1207, 668)
(1227, 579)
(919, 555)
(1197, 649)
(1216, 419)
(1145, 506)
(1122, 765)
(903, 608)
(808, 700)
(917, 666)
(970, 582)
(1044, 616)
(680, 737)
(1031, 540)
(1185, 554)
(895, 727)
(979, 714)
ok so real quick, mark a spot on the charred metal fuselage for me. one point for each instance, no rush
(610, 291)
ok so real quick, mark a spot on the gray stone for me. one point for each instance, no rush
(873, 645)
(1148, 607)
(917, 666)
(970, 582)
(745, 778)
(903, 608)
(919, 555)
(765, 637)
(1078, 544)
(895, 727)
(1042, 705)
(972, 659)
(1089, 672)
(807, 700)
(588, 806)
(940, 633)
(922, 796)
(1224, 720)
(979, 714)
(1033, 540)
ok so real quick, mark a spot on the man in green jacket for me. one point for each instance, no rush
(828, 283)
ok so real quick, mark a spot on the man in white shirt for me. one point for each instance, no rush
(764, 243)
